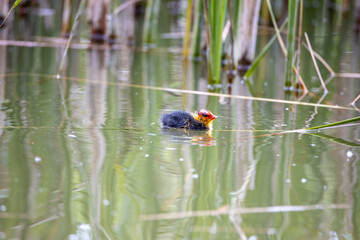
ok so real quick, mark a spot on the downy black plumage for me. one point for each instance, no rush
(181, 119)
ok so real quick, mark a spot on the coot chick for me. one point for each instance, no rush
(193, 121)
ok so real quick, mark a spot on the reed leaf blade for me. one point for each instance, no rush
(11, 9)
(217, 14)
(350, 120)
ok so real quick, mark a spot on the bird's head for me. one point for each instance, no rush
(206, 117)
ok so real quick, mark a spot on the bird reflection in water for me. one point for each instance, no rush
(201, 138)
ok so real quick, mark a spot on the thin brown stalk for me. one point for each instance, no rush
(332, 72)
(231, 37)
(315, 96)
(326, 65)
(207, 24)
(281, 42)
(315, 63)
(189, 13)
(357, 109)
(66, 18)
(75, 24)
(355, 100)
(282, 45)
(331, 77)
(302, 83)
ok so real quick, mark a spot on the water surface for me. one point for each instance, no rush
(83, 156)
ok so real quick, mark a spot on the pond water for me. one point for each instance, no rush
(83, 156)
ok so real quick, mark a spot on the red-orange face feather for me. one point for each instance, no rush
(206, 117)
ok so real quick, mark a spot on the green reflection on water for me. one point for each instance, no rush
(97, 170)
(87, 159)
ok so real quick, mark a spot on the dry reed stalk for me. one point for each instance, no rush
(348, 75)
(355, 100)
(231, 37)
(76, 22)
(207, 24)
(302, 83)
(332, 72)
(283, 48)
(184, 91)
(315, 63)
(66, 18)
(322, 60)
(281, 42)
(223, 210)
(189, 13)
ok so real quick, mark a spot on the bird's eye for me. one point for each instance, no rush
(205, 115)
